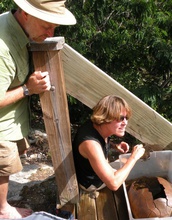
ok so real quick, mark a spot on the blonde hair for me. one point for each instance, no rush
(109, 109)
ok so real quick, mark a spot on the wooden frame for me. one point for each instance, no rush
(86, 82)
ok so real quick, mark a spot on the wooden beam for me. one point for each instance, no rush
(87, 83)
(106, 205)
(86, 208)
(46, 57)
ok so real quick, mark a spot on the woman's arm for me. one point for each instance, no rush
(113, 179)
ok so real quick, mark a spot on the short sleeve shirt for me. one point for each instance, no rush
(14, 68)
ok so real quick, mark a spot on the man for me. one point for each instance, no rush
(34, 20)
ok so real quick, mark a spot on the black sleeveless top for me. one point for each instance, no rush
(85, 174)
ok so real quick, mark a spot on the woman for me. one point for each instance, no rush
(90, 146)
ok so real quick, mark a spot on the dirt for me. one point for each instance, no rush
(35, 187)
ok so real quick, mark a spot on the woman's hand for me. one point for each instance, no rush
(123, 147)
(138, 151)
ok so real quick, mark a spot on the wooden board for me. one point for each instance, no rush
(87, 83)
(56, 117)
(106, 207)
(86, 208)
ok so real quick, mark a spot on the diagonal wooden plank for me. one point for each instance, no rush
(87, 83)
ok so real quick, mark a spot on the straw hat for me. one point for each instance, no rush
(52, 11)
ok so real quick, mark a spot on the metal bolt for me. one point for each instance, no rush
(52, 88)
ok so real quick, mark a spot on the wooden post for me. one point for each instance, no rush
(46, 57)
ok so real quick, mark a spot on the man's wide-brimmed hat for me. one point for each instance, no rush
(52, 11)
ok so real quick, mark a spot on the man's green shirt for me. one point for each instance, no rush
(14, 68)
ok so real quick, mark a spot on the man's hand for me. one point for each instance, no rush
(38, 82)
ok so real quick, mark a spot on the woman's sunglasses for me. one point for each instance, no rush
(122, 117)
